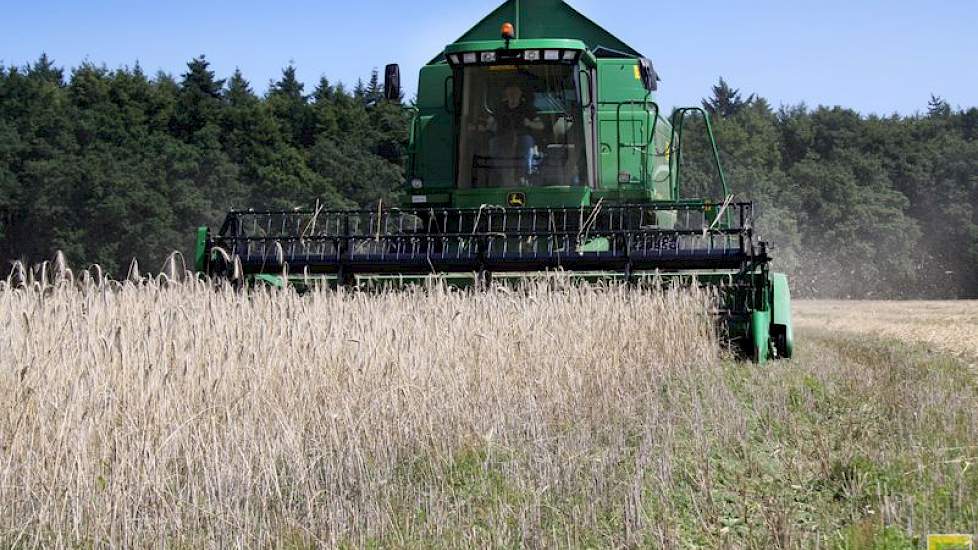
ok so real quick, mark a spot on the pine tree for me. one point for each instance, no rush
(360, 91)
(325, 119)
(288, 86)
(937, 107)
(726, 101)
(199, 79)
(239, 90)
(324, 91)
(374, 91)
(291, 108)
(10, 188)
(200, 99)
(44, 70)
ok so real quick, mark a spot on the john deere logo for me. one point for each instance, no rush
(516, 200)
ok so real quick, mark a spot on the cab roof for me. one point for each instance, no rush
(535, 19)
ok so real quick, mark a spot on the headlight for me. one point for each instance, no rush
(488, 57)
(469, 57)
(531, 55)
(454, 59)
(551, 55)
(416, 183)
(570, 55)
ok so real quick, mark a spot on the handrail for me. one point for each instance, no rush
(645, 104)
(678, 121)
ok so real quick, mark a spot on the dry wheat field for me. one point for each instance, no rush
(179, 415)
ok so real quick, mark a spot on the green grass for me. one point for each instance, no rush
(848, 447)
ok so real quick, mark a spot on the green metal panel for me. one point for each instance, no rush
(782, 299)
(200, 249)
(543, 19)
(627, 115)
(273, 281)
(431, 89)
(782, 312)
(760, 327)
(536, 197)
(620, 80)
(434, 135)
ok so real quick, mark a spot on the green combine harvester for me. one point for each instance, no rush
(536, 145)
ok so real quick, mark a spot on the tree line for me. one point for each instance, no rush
(109, 165)
(855, 206)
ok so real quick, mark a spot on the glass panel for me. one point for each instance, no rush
(521, 126)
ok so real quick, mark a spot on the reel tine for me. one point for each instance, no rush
(134, 275)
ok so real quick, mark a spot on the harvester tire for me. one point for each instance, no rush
(784, 341)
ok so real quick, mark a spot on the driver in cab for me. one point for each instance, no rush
(512, 124)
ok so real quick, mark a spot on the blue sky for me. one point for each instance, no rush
(873, 55)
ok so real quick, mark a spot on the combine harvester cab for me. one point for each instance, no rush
(536, 145)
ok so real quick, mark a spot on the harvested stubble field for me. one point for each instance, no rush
(949, 327)
(558, 415)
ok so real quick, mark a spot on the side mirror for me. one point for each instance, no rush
(650, 78)
(392, 83)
